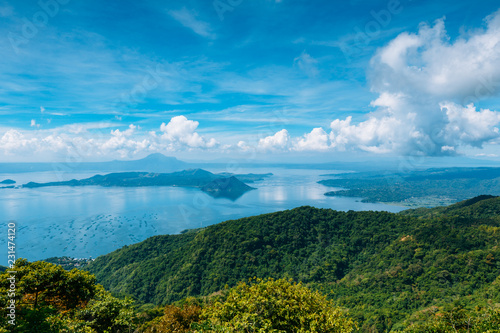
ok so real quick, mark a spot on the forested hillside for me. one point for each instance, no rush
(384, 267)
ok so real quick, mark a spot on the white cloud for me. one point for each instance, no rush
(182, 131)
(278, 141)
(466, 125)
(128, 132)
(34, 124)
(426, 85)
(243, 146)
(189, 20)
(14, 141)
(317, 140)
(54, 143)
(122, 143)
(96, 140)
(378, 135)
(428, 63)
(85, 127)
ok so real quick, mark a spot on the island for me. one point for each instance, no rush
(230, 187)
(223, 185)
(8, 182)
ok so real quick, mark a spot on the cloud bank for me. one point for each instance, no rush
(97, 140)
(427, 86)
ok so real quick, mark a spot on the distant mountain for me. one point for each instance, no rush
(8, 182)
(152, 163)
(213, 184)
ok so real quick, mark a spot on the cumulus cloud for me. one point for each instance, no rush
(427, 86)
(122, 143)
(181, 130)
(317, 140)
(97, 140)
(278, 141)
(378, 135)
(466, 125)
(128, 132)
(428, 63)
(243, 146)
(14, 141)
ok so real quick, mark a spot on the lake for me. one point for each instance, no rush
(91, 221)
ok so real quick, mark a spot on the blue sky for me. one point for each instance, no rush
(264, 78)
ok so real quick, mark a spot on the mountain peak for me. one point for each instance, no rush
(158, 157)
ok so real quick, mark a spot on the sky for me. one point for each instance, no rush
(278, 80)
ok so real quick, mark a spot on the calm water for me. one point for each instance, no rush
(91, 221)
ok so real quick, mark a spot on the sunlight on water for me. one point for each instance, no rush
(91, 221)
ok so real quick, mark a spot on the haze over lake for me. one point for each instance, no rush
(92, 221)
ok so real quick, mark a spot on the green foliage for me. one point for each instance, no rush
(306, 244)
(278, 306)
(455, 320)
(44, 284)
(426, 270)
(107, 314)
(261, 306)
(175, 319)
(381, 266)
(51, 299)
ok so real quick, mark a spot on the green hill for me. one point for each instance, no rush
(483, 206)
(230, 187)
(382, 266)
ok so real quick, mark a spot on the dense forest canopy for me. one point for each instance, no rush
(382, 266)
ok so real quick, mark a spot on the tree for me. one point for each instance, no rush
(43, 284)
(51, 299)
(277, 306)
(176, 319)
(456, 320)
(106, 313)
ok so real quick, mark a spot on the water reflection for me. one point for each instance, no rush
(91, 221)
